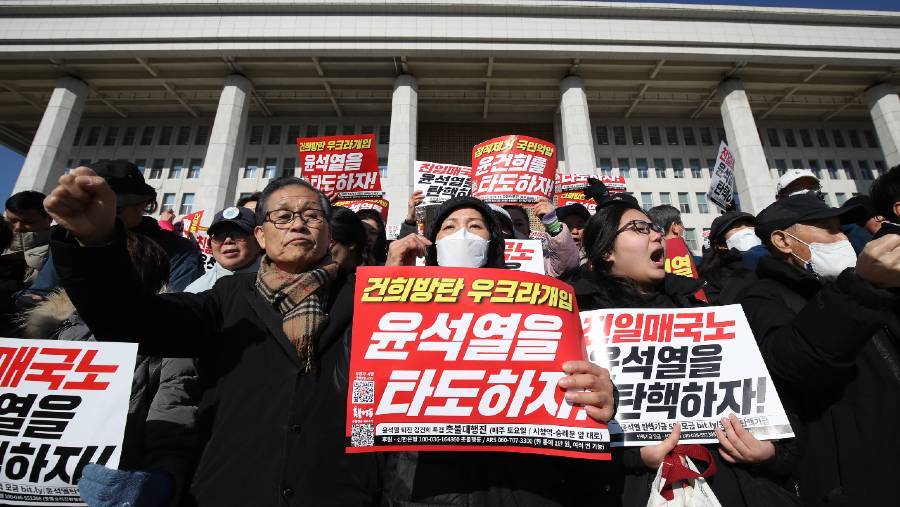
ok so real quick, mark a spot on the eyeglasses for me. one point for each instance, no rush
(282, 218)
(641, 227)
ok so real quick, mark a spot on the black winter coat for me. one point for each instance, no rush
(277, 437)
(832, 350)
(727, 278)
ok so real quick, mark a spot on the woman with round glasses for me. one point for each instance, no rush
(626, 269)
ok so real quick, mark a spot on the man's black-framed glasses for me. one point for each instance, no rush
(282, 218)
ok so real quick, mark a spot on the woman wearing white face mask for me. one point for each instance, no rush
(729, 263)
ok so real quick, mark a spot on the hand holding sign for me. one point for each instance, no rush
(737, 445)
(597, 396)
(85, 205)
(403, 252)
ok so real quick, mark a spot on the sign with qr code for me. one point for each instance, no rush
(465, 359)
(691, 366)
(441, 182)
(721, 181)
(344, 166)
(513, 170)
(62, 405)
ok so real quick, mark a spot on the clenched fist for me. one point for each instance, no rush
(85, 205)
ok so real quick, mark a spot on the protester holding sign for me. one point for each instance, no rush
(826, 323)
(273, 343)
(627, 260)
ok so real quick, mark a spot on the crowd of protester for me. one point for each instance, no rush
(239, 391)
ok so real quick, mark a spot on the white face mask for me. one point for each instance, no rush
(828, 260)
(743, 240)
(462, 249)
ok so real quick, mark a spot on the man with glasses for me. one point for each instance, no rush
(274, 343)
(233, 247)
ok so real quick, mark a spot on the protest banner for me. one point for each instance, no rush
(379, 205)
(392, 232)
(344, 166)
(440, 182)
(570, 189)
(680, 261)
(513, 170)
(524, 255)
(721, 181)
(195, 226)
(693, 366)
(465, 359)
(62, 405)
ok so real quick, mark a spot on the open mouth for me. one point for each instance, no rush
(658, 256)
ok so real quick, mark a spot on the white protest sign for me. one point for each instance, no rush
(63, 404)
(692, 366)
(524, 255)
(441, 182)
(721, 181)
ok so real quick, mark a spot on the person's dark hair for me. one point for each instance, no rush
(262, 206)
(664, 216)
(379, 249)
(149, 260)
(495, 247)
(599, 238)
(27, 200)
(885, 192)
(254, 197)
(6, 234)
(347, 228)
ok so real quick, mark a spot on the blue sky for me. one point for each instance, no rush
(11, 162)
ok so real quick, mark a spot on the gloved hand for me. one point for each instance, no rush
(596, 190)
(104, 487)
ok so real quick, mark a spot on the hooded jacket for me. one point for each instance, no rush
(496, 245)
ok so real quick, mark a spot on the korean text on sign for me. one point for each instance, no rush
(691, 366)
(465, 359)
(721, 182)
(62, 405)
(345, 165)
(440, 182)
(513, 169)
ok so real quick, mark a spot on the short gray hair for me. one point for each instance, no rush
(262, 206)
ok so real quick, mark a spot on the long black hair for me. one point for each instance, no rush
(599, 239)
(379, 249)
(347, 228)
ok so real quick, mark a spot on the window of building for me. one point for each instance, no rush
(605, 166)
(841, 198)
(665, 198)
(646, 200)
(384, 134)
(678, 167)
(77, 140)
(256, 134)
(141, 164)
(175, 170)
(684, 203)
(312, 130)
(879, 168)
(722, 137)
(194, 171)
(838, 137)
(348, 129)
(781, 166)
(275, 134)
(822, 138)
(288, 166)
(690, 237)
(702, 203)
(112, 135)
(806, 138)
(814, 167)
(696, 170)
(653, 133)
(848, 169)
(871, 141)
(624, 168)
(168, 202)
(293, 132)
(184, 135)
(637, 136)
(772, 134)
(706, 136)
(165, 136)
(271, 166)
(853, 137)
(790, 140)
(128, 138)
(622, 163)
(202, 135)
(660, 165)
(93, 136)
(147, 136)
(619, 136)
(796, 163)
(187, 204)
(689, 139)
(671, 136)
(383, 167)
(832, 169)
(367, 129)
(710, 166)
(641, 164)
(250, 168)
(602, 135)
(864, 170)
(156, 168)
(330, 130)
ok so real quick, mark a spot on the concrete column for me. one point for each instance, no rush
(884, 106)
(52, 142)
(755, 187)
(226, 146)
(402, 147)
(576, 127)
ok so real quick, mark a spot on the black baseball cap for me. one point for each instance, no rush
(724, 222)
(575, 209)
(243, 218)
(866, 203)
(801, 208)
(126, 180)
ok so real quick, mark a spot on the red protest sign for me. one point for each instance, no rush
(513, 170)
(576, 197)
(680, 261)
(477, 371)
(379, 205)
(577, 182)
(342, 165)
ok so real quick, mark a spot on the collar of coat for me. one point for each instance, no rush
(798, 280)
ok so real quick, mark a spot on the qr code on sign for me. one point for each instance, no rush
(362, 435)
(363, 391)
